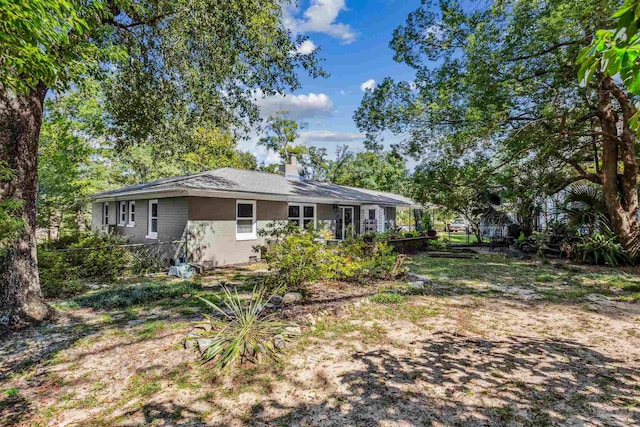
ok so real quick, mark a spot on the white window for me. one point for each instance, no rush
(105, 216)
(246, 220)
(153, 220)
(122, 219)
(132, 214)
(300, 214)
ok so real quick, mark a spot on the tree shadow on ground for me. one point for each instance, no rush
(455, 380)
(164, 413)
(37, 347)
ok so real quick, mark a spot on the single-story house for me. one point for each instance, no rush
(218, 213)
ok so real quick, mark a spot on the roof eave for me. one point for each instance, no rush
(184, 192)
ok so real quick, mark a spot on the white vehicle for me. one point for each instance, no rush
(458, 224)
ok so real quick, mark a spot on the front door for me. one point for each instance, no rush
(344, 222)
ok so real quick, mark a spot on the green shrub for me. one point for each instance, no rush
(599, 249)
(300, 257)
(357, 260)
(296, 259)
(241, 331)
(437, 244)
(65, 263)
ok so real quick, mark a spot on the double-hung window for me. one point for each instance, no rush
(122, 219)
(132, 214)
(302, 215)
(246, 220)
(153, 220)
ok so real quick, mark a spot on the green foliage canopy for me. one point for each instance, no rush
(163, 60)
(495, 82)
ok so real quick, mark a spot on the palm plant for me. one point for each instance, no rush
(242, 330)
(585, 206)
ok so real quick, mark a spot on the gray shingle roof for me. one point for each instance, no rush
(256, 182)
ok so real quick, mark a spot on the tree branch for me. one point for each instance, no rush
(550, 49)
(582, 173)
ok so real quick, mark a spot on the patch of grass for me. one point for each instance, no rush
(11, 392)
(631, 297)
(150, 329)
(458, 238)
(411, 311)
(553, 281)
(181, 377)
(387, 298)
(129, 295)
(141, 386)
(545, 277)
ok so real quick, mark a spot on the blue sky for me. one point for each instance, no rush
(353, 37)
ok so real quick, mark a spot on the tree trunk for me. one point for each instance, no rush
(620, 189)
(21, 298)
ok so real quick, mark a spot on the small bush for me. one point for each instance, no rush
(356, 260)
(600, 250)
(300, 257)
(296, 259)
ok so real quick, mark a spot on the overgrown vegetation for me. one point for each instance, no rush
(296, 256)
(601, 250)
(133, 294)
(66, 264)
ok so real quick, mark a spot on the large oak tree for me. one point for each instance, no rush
(159, 60)
(500, 80)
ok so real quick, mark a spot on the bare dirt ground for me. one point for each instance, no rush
(489, 342)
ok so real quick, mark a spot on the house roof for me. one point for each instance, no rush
(230, 182)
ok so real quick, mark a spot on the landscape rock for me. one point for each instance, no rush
(417, 285)
(598, 299)
(275, 300)
(293, 330)
(279, 342)
(310, 319)
(190, 341)
(291, 297)
(517, 291)
(204, 343)
(412, 277)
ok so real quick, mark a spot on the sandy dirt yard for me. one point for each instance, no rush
(490, 341)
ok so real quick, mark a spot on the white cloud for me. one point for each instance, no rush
(272, 157)
(330, 136)
(320, 17)
(435, 30)
(307, 47)
(299, 107)
(368, 85)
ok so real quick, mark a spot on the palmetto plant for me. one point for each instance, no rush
(241, 331)
(585, 206)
